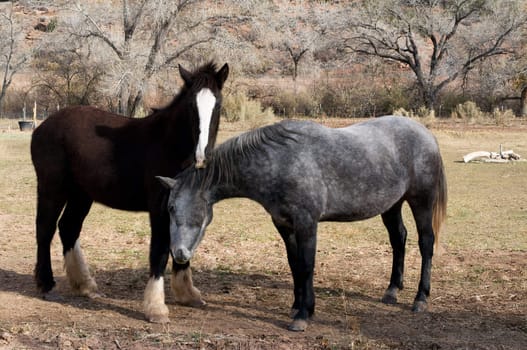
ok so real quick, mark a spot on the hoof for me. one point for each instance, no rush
(390, 296)
(193, 303)
(95, 295)
(420, 306)
(158, 319)
(52, 296)
(191, 297)
(87, 289)
(389, 299)
(158, 314)
(298, 325)
(45, 287)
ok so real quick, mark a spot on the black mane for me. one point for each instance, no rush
(202, 77)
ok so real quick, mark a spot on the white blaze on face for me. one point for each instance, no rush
(205, 101)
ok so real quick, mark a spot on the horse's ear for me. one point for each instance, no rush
(185, 75)
(167, 182)
(222, 75)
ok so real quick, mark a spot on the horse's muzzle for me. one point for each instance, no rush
(181, 255)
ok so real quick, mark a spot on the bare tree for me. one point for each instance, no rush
(518, 79)
(287, 35)
(12, 60)
(439, 40)
(153, 35)
(523, 95)
(516, 84)
(67, 75)
(300, 33)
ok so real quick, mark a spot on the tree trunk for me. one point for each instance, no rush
(295, 73)
(122, 102)
(134, 103)
(429, 96)
(1, 101)
(523, 102)
(7, 79)
(2, 95)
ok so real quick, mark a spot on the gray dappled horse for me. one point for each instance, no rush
(83, 154)
(303, 173)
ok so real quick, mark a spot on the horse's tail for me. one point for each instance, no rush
(440, 202)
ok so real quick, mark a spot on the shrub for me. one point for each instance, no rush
(502, 117)
(468, 111)
(336, 101)
(423, 114)
(238, 107)
(288, 104)
(13, 103)
(395, 97)
(403, 113)
(52, 25)
(448, 101)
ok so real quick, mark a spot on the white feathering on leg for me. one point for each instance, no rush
(78, 272)
(154, 302)
(184, 291)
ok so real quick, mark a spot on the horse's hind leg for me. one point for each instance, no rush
(70, 225)
(423, 220)
(48, 211)
(393, 221)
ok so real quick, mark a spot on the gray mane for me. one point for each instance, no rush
(221, 166)
(256, 140)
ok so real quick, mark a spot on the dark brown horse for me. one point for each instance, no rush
(83, 154)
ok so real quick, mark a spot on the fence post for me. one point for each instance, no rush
(35, 115)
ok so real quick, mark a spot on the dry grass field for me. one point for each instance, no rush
(479, 278)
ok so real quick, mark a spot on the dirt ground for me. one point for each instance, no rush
(478, 301)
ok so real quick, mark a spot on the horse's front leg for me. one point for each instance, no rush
(288, 236)
(182, 286)
(306, 249)
(154, 299)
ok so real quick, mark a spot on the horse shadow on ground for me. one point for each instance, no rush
(24, 284)
(119, 285)
(278, 289)
(123, 293)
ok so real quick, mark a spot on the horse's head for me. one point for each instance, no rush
(204, 99)
(190, 211)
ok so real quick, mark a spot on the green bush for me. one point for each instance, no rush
(52, 25)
